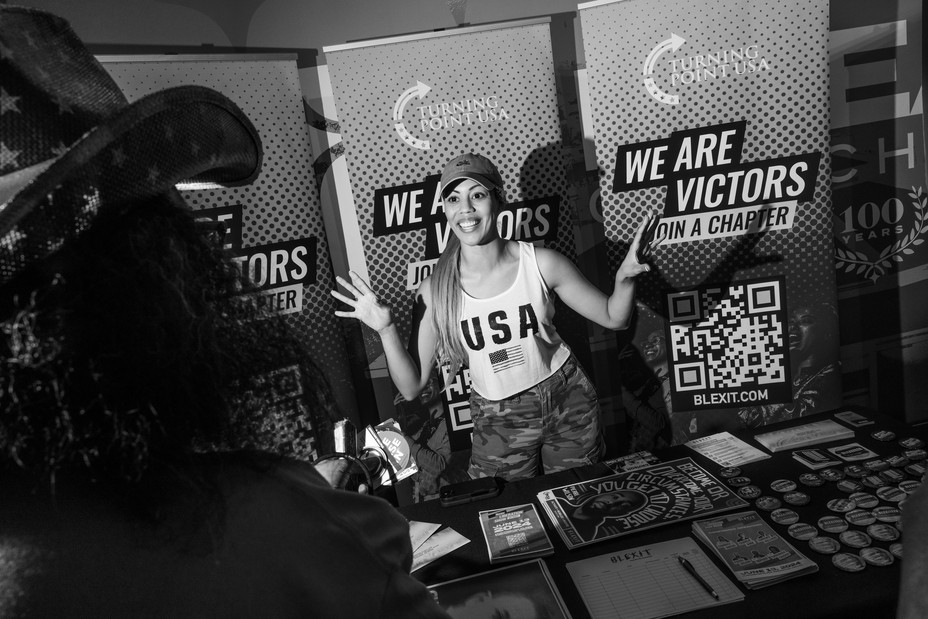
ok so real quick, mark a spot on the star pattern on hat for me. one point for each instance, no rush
(8, 157)
(59, 149)
(8, 102)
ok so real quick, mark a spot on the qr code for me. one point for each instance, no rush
(730, 343)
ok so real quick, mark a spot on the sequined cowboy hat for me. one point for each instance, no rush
(72, 145)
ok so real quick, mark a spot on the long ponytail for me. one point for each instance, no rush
(446, 297)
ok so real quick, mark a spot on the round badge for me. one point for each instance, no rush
(801, 530)
(811, 479)
(824, 545)
(784, 516)
(886, 513)
(739, 481)
(841, 505)
(883, 532)
(912, 443)
(730, 471)
(832, 524)
(831, 474)
(897, 461)
(883, 435)
(849, 485)
(749, 492)
(873, 481)
(916, 455)
(855, 470)
(782, 485)
(893, 476)
(891, 494)
(860, 517)
(864, 500)
(909, 486)
(896, 549)
(916, 469)
(797, 498)
(875, 466)
(855, 539)
(848, 562)
(876, 556)
(767, 503)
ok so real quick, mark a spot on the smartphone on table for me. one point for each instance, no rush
(470, 490)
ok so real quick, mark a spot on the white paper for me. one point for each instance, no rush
(420, 531)
(437, 546)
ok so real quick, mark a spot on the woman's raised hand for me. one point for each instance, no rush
(365, 306)
(632, 266)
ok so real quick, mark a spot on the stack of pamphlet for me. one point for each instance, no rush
(515, 532)
(756, 554)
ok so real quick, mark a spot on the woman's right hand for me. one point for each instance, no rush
(365, 306)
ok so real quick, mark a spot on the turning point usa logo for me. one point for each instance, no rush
(693, 68)
(435, 116)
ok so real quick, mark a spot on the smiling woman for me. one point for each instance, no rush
(489, 304)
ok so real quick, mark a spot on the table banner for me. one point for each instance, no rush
(715, 114)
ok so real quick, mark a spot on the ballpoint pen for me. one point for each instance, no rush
(692, 570)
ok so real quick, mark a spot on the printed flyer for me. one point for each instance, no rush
(600, 509)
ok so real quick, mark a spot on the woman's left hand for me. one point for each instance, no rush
(631, 266)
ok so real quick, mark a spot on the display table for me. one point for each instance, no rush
(869, 593)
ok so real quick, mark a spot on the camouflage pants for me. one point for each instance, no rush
(555, 425)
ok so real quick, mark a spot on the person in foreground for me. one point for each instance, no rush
(126, 354)
(489, 304)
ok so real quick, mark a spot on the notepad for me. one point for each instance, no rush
(648, 582)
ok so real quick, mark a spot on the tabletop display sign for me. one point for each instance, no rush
(607, 507)
(714, 113)
(516, 532)
(406, 106)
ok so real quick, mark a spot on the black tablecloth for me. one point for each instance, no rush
(871, 593)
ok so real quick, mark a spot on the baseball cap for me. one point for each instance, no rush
(472, 166)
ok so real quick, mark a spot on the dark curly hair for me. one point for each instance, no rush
(132, 345)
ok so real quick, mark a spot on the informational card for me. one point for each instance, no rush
(726, 449)
(437, 546)
(650, 581)
(421, 531)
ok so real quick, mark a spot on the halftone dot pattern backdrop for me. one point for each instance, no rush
(783, 99)
(282, 203)
(511, 65)
(785, 106)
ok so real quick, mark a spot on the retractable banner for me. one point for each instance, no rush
(715, 114)
(406, 106)
(274, 227)
(880, 194)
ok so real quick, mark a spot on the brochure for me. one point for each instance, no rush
(515, 532)
(520, 590)
(599, 509)
(756, 554)
(801, 436)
